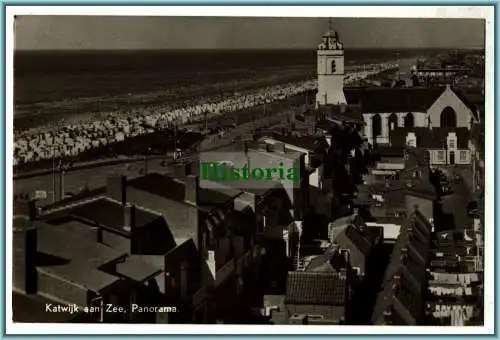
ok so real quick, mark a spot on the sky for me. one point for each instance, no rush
(35, 32)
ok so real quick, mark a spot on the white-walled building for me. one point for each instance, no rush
(330, 60)
(385, 109)
(445, 145)
(437, 119)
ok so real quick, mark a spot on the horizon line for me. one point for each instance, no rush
(235, 49)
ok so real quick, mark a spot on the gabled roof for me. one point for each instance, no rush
(316, 288)
(330, 261)
(469, 100)
(385, 100)
(405, 275)
(347, 232)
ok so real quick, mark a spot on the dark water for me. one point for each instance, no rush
(45, 76)
(177, 62)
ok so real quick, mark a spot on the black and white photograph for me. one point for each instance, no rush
(253, 170)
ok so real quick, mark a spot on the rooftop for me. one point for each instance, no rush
(435, 137)
(306, 142)
(406, 273)
(316, 288)
(136, 268)
(175, 189)
(331, 261)
(75, 259)
(383, 99)
(104, 211)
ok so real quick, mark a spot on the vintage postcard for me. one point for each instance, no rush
(250, 169)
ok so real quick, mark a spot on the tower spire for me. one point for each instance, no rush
(330, 24)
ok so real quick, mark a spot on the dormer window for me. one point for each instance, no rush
(411, 140)
(452, 140)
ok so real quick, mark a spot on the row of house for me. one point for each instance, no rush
(194, 247)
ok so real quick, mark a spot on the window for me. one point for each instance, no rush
(440, 155)
(463, 155)
(334, 66)
(376, 125)
(448, 117)
(452, 143)
(393, 121)
(409, 120)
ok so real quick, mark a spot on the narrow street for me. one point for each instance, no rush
(455, 205)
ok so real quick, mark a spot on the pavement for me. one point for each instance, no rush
(93, 178)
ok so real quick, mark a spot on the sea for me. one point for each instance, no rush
(50, 82)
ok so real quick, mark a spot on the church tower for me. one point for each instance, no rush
(330, 70)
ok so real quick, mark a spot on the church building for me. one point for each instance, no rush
(438, 119)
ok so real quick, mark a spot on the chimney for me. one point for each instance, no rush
(280, 147)
(25, 208)
(25, 239)
(30, 238)
(116, 188)
(183, 170)
(192, 188)
(128, 217)
(362, 228)
(396, 279)
(404, 253)
(345, 253)
(328, 138)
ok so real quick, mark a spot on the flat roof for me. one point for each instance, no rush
(136, 268)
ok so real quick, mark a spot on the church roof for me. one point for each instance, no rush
(409, 99)
(383, 100)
